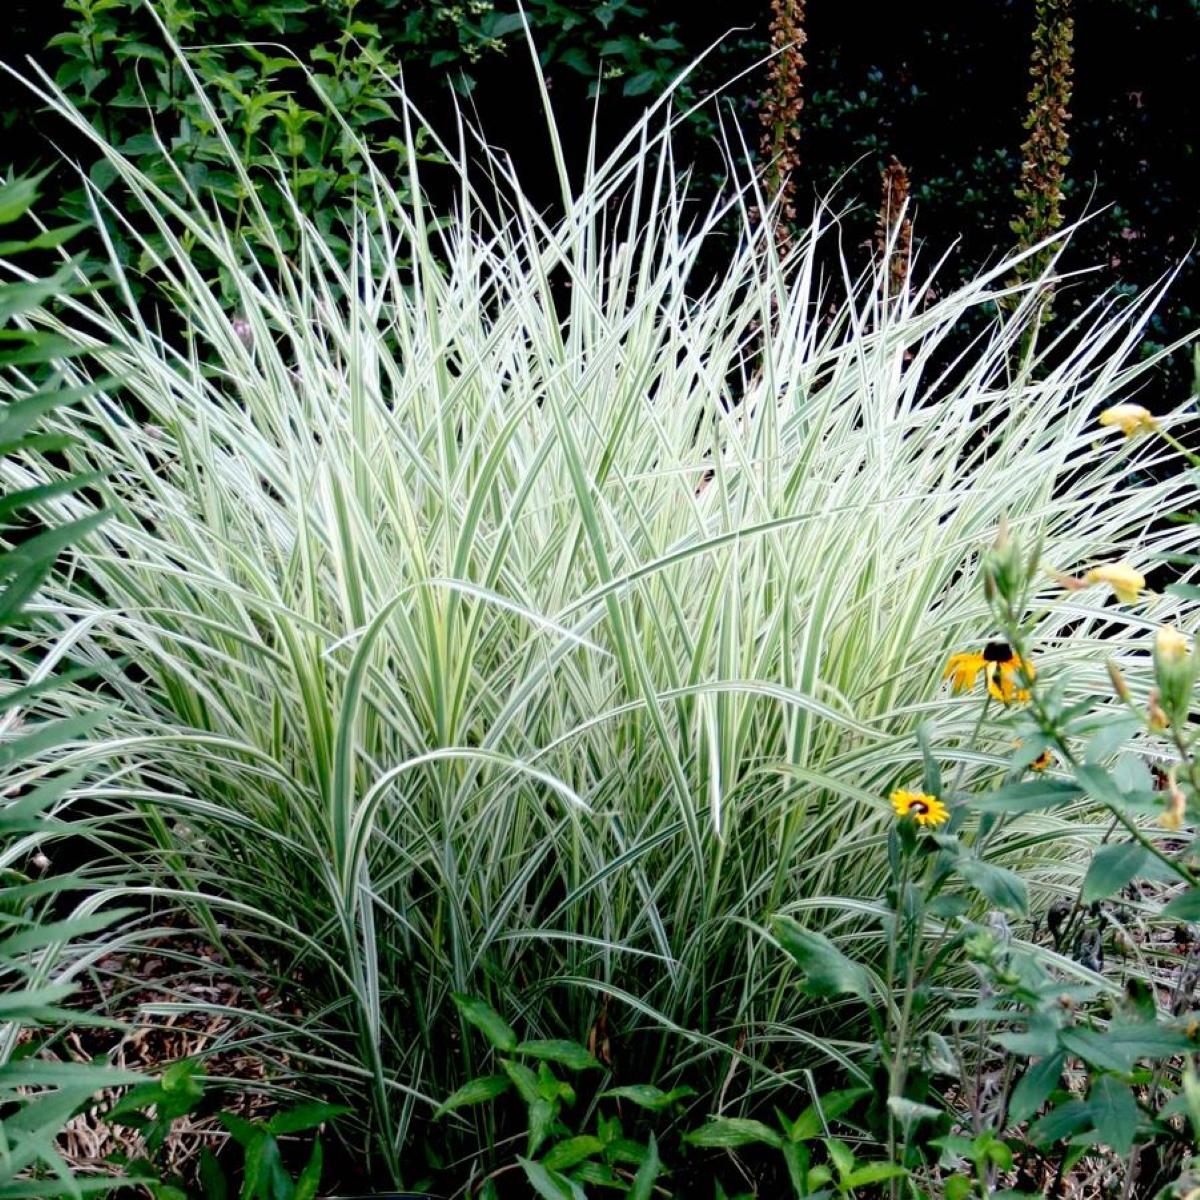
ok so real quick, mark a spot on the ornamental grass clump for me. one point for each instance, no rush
(512, 614)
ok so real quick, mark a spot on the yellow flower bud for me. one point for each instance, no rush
(1174, 673)
(1169, 644)
(1122, 578)
(1131, 419)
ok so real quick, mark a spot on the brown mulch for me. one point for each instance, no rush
(175, 969)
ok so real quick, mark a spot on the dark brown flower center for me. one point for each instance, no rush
(997, 652)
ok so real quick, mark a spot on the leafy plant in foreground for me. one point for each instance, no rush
(37, 1095)
(254, 1171)
(1053, 1062)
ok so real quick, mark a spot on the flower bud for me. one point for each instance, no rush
(1174, 672)
(1130, 419)
(1003, 571)
(1126, 583)
(1176, 810)
(1154, 711)
(1120, 687)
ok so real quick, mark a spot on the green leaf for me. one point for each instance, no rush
(931, 778)
(1034, 1087)
(569, 1054)
(476, 1091)
(487, 1021)
(873, 1173)
(1004, 888)
(1184, 907)
(212, 1176)
(309, 1178)
(526, 1081)
(550, 1186)
(304, 1117)
(1060, 1122)
(646, 1095)
(1118, 1047)
(241, 1130)
(566, 1154)
(910, 1112)
(842, 1156)
(542, 1115)
(813, 1120)
(642, 1187)
(1114, 1114)
(957, 1187)
(1111, 868)
(49, 735)
(829, 972)
(1029, 796)
(1100, 785)
(18, 197)
(725, 1133)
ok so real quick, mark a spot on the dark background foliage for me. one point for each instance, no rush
(940, 85)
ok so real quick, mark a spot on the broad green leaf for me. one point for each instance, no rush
(564, 1155)
(725, 1133)
(931, 778)
(642, 1187)
(1184, 907)
(1004, 888)
(873, 1173)
(212, 1176)
(842, 1156)
(1109, 738)
(550, 1186)
(1114, 1114)
(476, 1091)
(1111, 868)
(309, 1179)
(1060, 1123)
(49, 735)
(526, 1081)
(542, 1114)
(646, 1095)
(1030, 795)
(1119, 1047)
(813, 1120)
(1099, 783)
(18, 196)
(910, 1112)
(1034, 1087)
(487, 1021)
(304, 1117)
(829, 972)
(569, 1054)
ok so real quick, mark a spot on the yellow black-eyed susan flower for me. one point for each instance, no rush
(1003, 669)
(925, 810)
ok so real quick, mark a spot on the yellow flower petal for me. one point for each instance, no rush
(925, 810)
(1122, 578)
(963, 669)
(1129, 418)
(1006, 679)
